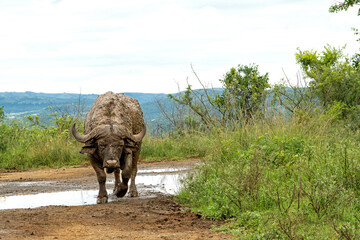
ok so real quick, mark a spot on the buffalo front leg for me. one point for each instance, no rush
(101, 176)
(133, 191)
(117, 179)
(125, 176)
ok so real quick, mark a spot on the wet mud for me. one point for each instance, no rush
(149, 181)
(61, 204)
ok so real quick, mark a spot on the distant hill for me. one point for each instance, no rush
(20, 104)
(17, 105)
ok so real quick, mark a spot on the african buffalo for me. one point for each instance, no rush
(114, 129)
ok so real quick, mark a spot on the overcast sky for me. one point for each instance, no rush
(93, 46)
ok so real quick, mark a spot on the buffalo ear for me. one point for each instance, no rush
(129, 143)
(88, 149)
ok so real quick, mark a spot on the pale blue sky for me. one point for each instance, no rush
(148, 45)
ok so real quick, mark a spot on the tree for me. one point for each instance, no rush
(343, 6)
(334, 80)
(244, 91)
(242, 97)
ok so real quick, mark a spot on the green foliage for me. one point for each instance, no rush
(281, 180)
(334, 80)
(348, 230)
(175, 147)
(245, 89)
(243, 97)
(35, 121)
(63, 121)
(292, 174)
(311, 61)
(31, 145)
(2, 113)
(191, 100)
(343, 6)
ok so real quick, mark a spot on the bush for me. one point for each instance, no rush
(334, 80)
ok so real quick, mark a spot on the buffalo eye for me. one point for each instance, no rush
(102, 147)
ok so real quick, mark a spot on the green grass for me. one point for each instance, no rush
(175, 147)
(281, 180)
(23, 147)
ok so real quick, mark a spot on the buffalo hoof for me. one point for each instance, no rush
(102, 200)
(133, 193)
(121, 190)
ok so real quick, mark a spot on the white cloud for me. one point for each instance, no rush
(148, 46)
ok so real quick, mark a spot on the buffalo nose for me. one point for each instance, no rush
(112, 163)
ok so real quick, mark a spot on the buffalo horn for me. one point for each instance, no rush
(96, 132)
(138, 137)
(123, 132)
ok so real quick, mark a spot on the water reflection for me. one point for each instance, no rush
(66, 198)
(165, 181)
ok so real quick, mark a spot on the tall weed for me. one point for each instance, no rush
(23, 146)
(298, 177)
(174, 147)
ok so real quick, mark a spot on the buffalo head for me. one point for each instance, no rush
(110, 143)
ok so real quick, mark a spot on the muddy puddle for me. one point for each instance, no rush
(149, 182)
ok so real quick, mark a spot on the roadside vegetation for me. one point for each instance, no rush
(288, 166)
(285, 160)
(30, 143)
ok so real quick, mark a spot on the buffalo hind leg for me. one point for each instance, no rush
(101, 176)
(125, 176)
(133, 191)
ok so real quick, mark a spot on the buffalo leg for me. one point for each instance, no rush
(101, 176)
(117, 179)
(125, 175)
(133, 191)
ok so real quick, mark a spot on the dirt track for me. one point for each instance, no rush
(132, 218)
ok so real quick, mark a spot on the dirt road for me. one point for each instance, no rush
(155, 216)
